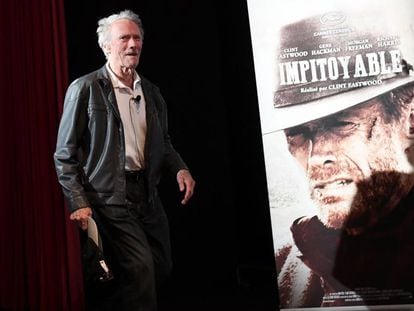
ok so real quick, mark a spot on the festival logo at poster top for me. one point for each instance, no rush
(343, 117)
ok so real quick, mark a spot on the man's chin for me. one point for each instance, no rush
(334, 216)
(132, 65)
(334, 222)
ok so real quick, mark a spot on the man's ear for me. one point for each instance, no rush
(107, 48)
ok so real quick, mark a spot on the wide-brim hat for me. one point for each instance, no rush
(333, 61)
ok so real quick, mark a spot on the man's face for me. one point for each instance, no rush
(356, 163)
(124, 48)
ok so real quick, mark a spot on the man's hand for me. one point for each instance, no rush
(187, 183)
(81, 216)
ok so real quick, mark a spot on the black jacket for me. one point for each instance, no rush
(90, 151)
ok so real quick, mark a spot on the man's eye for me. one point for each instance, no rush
(297, 136)
(345, 126)
(296, 140)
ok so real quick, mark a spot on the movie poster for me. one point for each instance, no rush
(335, 89)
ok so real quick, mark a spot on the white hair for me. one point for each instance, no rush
(104, 26)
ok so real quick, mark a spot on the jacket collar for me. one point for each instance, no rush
(105, 82)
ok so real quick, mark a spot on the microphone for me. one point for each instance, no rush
(137, 98)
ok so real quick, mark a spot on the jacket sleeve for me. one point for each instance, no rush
(172, 159)
(67, 155)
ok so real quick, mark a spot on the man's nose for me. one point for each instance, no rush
(322, 152)
(133, 42)
(321, 159)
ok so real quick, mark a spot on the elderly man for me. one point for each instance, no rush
(348, 102)
(112, 145)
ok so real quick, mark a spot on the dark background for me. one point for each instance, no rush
(199, 54)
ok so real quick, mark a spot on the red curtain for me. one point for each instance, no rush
(39, 249)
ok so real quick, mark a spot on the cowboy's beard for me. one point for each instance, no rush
(348, 199)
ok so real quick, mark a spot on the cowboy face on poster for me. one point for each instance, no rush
(336, 96)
